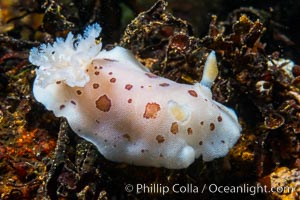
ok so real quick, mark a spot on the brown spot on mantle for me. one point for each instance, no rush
(151, 110)
(78, 92)
(160, 138)
(219, 119)
(103, 103)
(95, 85)
(193, 93)
(190, 131)
(110, 60)
(164, 84)
(212, 126)
(174, 128)
(113, 80)
(128, 86)
(150, 75)
(126, 136)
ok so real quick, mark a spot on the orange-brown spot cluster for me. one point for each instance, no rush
(22, 154)
(174, 128)
(160, 139)
(128, 86)
(25, 144)
(97, 73)
(103, 103)
(193, 93)
(151, 110)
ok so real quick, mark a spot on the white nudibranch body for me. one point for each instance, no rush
(130, 114)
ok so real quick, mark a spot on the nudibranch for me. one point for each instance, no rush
(128, 113)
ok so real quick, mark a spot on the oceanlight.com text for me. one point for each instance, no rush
(211, 188)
